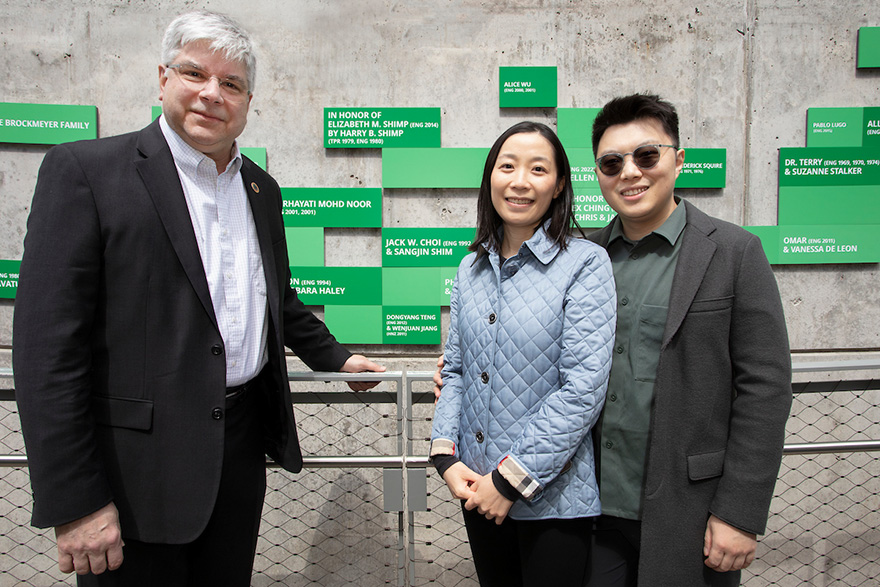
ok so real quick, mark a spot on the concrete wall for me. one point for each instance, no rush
(742, 75)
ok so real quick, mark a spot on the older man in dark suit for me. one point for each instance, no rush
(150, 323)
(690, 439)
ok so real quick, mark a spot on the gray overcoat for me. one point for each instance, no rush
(721, 399)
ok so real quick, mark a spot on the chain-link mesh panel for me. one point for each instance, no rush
(328, 527)
(824, 527)
(825, 524)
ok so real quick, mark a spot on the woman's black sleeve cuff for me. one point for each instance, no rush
(504, 487)
(443, 462)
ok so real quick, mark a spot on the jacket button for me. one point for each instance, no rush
(479, 436)
(217, 414)
(624, 301)
(484, 377)
(619, 349)
(217, 349)
(609, 444)
(492, 318)
(612, 397)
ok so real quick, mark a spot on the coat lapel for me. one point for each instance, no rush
(159, 174)
(697, 250)
(259, 198)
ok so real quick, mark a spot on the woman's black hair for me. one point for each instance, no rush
(560, 212)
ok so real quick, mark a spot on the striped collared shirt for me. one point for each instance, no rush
(227, 237)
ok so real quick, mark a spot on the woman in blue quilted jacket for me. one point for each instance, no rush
(526, 368)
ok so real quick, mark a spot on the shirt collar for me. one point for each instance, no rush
(670, 230)
(188, 158)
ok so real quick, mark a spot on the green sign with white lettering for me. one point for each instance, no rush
(349, 286)
(590, 208)
(703, 168)
(827, 166)
(46, 124)
(381, 128)
(411, 325)
(827, 186)
(816, 244)
(843, 127)
(332, 207)
(425, 247)
(527, 87)
(384, 324)
(9, 278)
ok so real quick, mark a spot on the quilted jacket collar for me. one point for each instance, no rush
(540, 245)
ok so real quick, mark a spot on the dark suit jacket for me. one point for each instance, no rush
(722, 395)
(119, 364)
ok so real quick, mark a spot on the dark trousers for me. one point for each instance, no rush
(528, 553)
(615, 557)
(224, 553)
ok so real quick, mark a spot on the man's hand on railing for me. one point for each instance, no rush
(360, 364)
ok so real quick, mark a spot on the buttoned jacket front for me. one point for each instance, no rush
(527, 363)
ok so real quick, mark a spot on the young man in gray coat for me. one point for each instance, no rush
(690, 440)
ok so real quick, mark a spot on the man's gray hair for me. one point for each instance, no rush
(223, 34)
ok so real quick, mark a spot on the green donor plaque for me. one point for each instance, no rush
(46, 124)
(425, 247)
(527, 87)
(411, 325)
(817, 244)
(829, 166)
(9, 278)
(381, 128)
(843, 127)
(349, 286)
(590, 208)
(703, 168)
(332, 207)
(826, 186)
(869, 47)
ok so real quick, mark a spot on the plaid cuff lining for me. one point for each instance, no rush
(442, 446)
(519, 478)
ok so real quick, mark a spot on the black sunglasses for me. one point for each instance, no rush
(645, 157)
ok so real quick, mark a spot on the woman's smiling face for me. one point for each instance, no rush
(524, 181)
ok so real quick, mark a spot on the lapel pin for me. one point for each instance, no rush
(255, 187)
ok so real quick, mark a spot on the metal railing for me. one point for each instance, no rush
(415, 536)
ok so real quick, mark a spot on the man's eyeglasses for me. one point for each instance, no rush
(645, 157)
(231, 87)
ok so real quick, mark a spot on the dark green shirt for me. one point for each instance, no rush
(643, 274)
